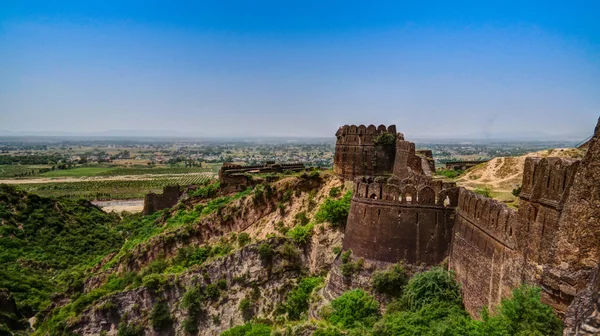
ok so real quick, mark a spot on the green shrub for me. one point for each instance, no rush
(334, 192)
(352, 307)
(440, 318)
(485, 191)
(208, 191)
(517, 191)
(156, 267)
(160, 317)
(243, 239)
(334, 211)
(222, 284)
(212, 291)
(390, 281)
(154, 282)
(435, 285)
(329, 331)
(301, 219)
(249, 329)
(126, 329)
(522, 314)
(265, 251)
(449, 173)
(289, 252)
(385, 139)
(347, 268)
(287, 196)
(301, 234)
(246, 307)
(296, 302)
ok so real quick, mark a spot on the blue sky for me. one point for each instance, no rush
(244, 68)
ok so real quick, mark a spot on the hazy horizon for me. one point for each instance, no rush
(216, 69)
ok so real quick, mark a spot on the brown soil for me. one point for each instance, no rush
(503, 174)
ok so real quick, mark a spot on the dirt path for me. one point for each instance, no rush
(96, 178)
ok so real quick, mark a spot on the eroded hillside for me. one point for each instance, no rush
(503, 174)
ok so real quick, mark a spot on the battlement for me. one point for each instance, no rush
(407, 192)
(155, 202)
(364, 136)
(490, 216)
(548, 180)
(362, 129)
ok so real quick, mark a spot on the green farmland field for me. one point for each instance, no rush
(78, 172)
(113, 189)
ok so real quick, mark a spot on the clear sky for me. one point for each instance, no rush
(300, 68)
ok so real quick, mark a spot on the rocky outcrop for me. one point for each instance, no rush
(248, 276)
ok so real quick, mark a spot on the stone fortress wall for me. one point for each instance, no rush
(552, 240)
(495, 248)
(402, 214)
(155, 202)
(358, 154)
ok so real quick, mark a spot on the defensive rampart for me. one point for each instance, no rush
(484, 252)
(155, 202)
(552, 240)
(391, 222)
(495, 248)
(362, 150)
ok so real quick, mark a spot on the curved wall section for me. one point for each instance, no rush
(391, 231)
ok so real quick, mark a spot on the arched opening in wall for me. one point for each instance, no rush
(447, 201)
(408, 197)
(400, 197)
(373, 196)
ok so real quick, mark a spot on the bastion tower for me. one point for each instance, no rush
(398, 212)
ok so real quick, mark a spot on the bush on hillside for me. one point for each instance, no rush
(301, 234)
(334, 211)
(296, 302)
(390, 281)
(435, 285)
(354, 307)
(249, 329)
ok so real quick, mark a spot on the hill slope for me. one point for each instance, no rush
(44, 241)
(503, 174)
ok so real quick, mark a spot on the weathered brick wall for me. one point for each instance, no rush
(484, 253)
(406, 222)
(155, 202)
(575, 254)
(357, 154)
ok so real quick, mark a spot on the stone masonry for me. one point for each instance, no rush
(399, 213)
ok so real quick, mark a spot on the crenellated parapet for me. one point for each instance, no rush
(407, 192)
(363, 135)
(362, 150)
(493, 218)
(548, 180)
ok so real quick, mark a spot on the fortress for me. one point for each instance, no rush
(399, 212)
